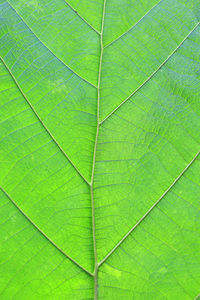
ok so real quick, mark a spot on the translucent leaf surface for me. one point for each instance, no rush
(99, 149)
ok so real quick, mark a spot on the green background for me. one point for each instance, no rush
(99, 144)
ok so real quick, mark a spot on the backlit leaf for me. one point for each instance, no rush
(99, 149)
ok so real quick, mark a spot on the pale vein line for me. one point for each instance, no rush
(58, 248)
(146, 80)
(49, 49)
(109, 44)
(82, 18)
(147, 213)
(38, 117)
(94, 160)
(197, 297)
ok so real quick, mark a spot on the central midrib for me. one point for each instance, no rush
(94, 159)
(96, 264)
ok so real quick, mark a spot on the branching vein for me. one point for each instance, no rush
(94, 159)
(148, 212)
(133, 25)
(49, 49)
(82, 17)
(58, 248)
(33, 109)
(146, 80)
(91, 183)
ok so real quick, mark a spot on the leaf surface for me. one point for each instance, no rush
(99, 149)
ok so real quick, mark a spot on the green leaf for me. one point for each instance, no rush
(99, 149)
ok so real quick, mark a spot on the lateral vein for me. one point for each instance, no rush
(58, 248)
(133, 25)
(146, 80)
(49, 49)
(197, 297)
(148, 211)
(84, 20)
(38, 117)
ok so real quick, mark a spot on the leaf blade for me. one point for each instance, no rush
(145, 145)
(65, 25)
(40, 180)
(35, 268)
(64, 103)
(165, 264)
(135, 56)
(99, 123)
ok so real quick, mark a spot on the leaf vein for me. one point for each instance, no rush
(84, 20)
(94, 159)
(154, 72)
(148, 212)
(50, 50)
(33, 109)
(133, 25)
(58, 248)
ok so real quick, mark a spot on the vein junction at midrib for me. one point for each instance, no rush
(40, 120)
(59, 88)
(99, 264)
(68, 155)
(82, 17)
(91, 183)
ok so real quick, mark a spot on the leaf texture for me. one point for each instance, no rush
(99, 149)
